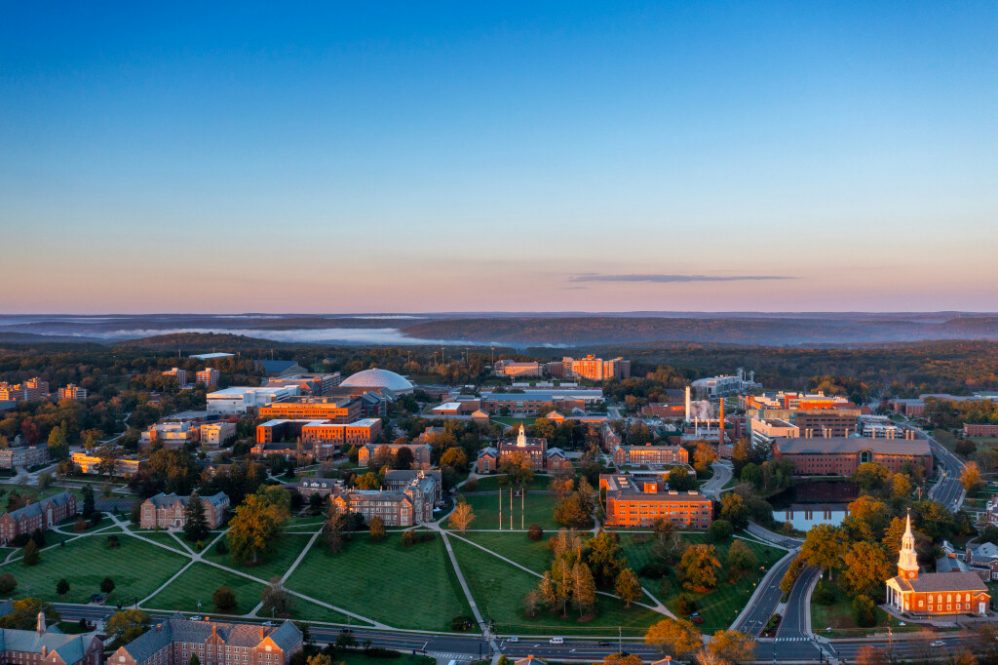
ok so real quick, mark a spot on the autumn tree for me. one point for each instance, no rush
(823, 548)
(698, 568)
(734, 510)
(224, 599)
(518, 469)
(367, 481)
(583, 588)
(125, 625)
(319, 659)
(335, 528)
(377, 528)
(732, 646)
(871, 655)
(970, 477)
(866, 566)
(622, 659)
(275, 600)
(603, 554)
(31, 555)
(867, 518)
(562, 486)
(455, 458)
(195, 520)
(7, 584)
(462, 516)
(676, 637)
(627, 586)
(257, 523)
(740, 560)
(703, 456)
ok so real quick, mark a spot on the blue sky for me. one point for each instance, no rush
(530, 156)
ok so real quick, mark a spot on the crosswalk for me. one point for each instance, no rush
(792, 639)
(451, 655)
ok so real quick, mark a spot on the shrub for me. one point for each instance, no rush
(224, 599)
(686, 605)
(864, 611)
(535, 532)
(824, 594)
(462, 623)
(7, 584)
(720, 531)
(113, 543)
(221, 548)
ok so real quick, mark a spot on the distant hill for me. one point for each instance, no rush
(767, 331)
(200, 342)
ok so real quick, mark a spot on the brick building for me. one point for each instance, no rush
(40, 515)
(840, 456)
(376, 454)
(640, 503)
(934, 594)
(72, 392)
(216, 435)
(649, 454)
(44, 647)
(168, 511)
(23, 456)
(332, 409)
(827, 423)
(208, 377)
(174, 641)
(980, 429)
(412, 504)
(123, 466)
(592, 368)
(314, 439)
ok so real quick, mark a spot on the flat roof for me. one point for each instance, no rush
(237, 391)
(447, 406)
(211, 356)
(853, 444)
(544, 395)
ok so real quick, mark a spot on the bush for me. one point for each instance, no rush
(462, 623)
(864, 611)
(221, 548)
(720, 531)
(535, 532)
(224, 599)
(686, 605)
(824, 594)
(113, 543)
(7, 584)
(62, 587)
(107, 585)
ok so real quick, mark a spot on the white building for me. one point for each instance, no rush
(241, 399)
(215, 435)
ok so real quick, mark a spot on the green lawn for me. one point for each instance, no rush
(137, 569)
(516, 546)
(164, 538)
(838, 617)
(385, 581)
(510, 421)
(499, 589)
(539, 510)
(359, 658)
(302, 610)
(492, 483)
(274, 564)
(718, 607)
(198, 583)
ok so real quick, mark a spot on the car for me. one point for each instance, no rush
(512, 638)
(604, 643)
(557, 640)
(937, 643)
(268, 623)
(196, 617)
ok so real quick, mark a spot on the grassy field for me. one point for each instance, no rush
(359, 658)
(499, 589)
(516, 546)
(198, 583)
(385, 581)
(838, 617)
(510, 421)
(718, 607)
(137, 569)
(276, 562)
(492, 483)
(539, 509)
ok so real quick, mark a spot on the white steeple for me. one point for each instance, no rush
(908, 559)
(521, 438)
(40, 623)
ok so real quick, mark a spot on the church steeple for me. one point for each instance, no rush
(908, 560)
(521, 438)
(40, 623)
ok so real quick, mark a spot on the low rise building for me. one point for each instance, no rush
(23, 457)
(317, 439)
(827, 423)
(40, 515)
(514, 368)
(176, 641)
(651, 455)
(840, 456)
(179, 374)
(246, 399)
(527, 402)
(934, 594)
(315, 385)
(31, 390)
(331, 409)
(640, 503)
(321, 486)
(170, 434)
(409, 505)
(396, 480)
(169, 511)
(377, 454)
(980, 430)
(217, 434)
(124, 467)
(49, 647)
(592, 368)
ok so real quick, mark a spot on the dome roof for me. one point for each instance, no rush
(378, 378)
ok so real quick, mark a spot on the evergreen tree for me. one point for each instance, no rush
(195, 522)
(31, 555)
(88, 500)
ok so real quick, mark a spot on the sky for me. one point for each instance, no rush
(450, 156)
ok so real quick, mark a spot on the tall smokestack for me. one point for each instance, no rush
(720, 424)
(687, 404)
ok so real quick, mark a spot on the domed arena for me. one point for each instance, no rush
(379, 378)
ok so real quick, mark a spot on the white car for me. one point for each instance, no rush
(512, 638)
(937, 643)
(557, 640)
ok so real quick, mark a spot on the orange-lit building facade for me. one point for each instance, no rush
(640, 503)
(653, 455)
(592, 368)
(333, 409)
(841, 456)
(316, 438)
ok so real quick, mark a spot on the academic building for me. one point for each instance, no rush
(175, 641)
(332, 409)
(40, 515)
(169, 511)
(841, 456)
(651, 455)
(634, 503)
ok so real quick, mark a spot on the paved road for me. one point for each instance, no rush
(763, 605)
(947, 489)
(723, 471)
